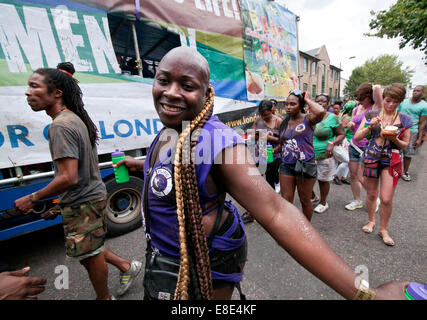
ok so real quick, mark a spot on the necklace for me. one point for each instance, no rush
(62, 109)
(383, 123)
(360, 111)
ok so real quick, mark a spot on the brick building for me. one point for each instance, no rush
(318, 75)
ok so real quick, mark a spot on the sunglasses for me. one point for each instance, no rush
(322, 95)
(296, 92)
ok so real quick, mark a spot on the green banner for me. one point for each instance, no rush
(35, 36)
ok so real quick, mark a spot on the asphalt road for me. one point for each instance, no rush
(270, 273)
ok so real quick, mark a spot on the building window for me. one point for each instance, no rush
(330, 92)
(323, 77)
(304, 87)
(336, 93)
(313, 90)
(305, 65)
(331, 74)
(313, 67)
(336, 75)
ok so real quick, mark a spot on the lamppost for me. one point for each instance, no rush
(339, 83)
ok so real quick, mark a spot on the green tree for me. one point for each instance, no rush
(406, 19)
(384, 70)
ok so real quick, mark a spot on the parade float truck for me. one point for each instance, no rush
(116, 46)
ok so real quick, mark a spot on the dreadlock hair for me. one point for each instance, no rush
(62, 79)
(189, 211)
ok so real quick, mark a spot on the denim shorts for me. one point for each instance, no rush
(355, 155)
(288, 169)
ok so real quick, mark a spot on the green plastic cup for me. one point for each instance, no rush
(121, 173)
(269, 153)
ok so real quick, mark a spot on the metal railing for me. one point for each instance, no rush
(49, 174)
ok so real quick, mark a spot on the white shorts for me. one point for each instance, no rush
(326, 169)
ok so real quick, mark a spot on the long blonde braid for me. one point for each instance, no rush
(188, 207)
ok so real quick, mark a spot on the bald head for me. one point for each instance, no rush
(417, 94)
(192, 58)
(181, 86)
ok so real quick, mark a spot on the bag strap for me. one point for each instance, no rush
(218, 219)
(239, 288)
(284, 125)
(326, 143)
(356, 147)
(153, 157)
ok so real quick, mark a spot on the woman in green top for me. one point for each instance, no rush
(328, 133)
(345, 119)
(343, 170)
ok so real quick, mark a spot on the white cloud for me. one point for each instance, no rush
(340, 25)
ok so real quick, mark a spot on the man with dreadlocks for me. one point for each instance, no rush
(183, 199)
(72, 143)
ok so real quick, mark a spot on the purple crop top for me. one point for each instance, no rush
(297, 143)
(357, 119)
(214, 138)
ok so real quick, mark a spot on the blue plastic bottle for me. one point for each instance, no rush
(416, 291)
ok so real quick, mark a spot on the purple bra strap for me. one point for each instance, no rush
(223, 242)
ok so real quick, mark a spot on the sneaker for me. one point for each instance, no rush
(406, 177)
(354, 205)
(337, 181)
(320, 208)
(345, 181)
(315, 200)
(126, 278)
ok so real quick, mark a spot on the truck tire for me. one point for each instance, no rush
(123, 209)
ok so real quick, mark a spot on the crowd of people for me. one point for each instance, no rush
(308, 136)
(196, 240)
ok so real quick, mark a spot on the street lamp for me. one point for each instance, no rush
(339, 83)
(352, 57)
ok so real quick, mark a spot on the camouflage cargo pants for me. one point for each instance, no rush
(84, 227)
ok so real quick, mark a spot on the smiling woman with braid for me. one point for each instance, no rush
(186, 221)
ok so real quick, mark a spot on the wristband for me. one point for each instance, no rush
(364, 293)
(34, 197)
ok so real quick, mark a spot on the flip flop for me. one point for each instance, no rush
(387, 239)
(368, 229)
